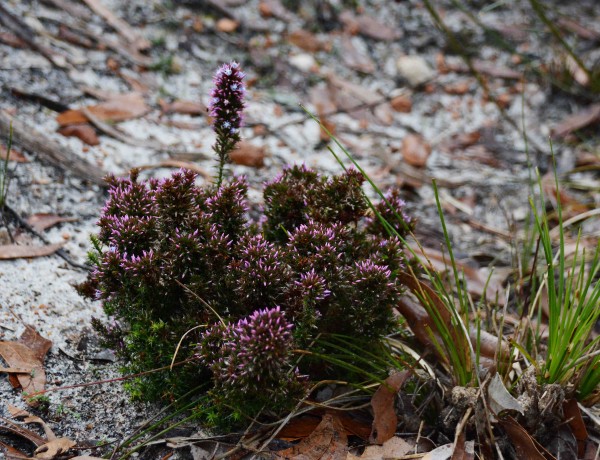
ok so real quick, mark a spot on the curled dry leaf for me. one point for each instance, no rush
(369, 27)
(53, 449)
(586, 117)
(384, 413)
(499, 399)
(17, 413)
(356, 58)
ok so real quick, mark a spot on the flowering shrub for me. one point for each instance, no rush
(171, 256)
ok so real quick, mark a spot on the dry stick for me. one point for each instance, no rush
(115, 133)
(58, 155)
(17, 26)
(122, 28)
(60, 252)
(101, 382)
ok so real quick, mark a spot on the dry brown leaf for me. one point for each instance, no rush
(53, 448)
(248, 154)
(415, 150)
(354, 58)
(119, 108)
(27, 353)
(369, 27)
(586, 117)
(15, 412)
(385, 419)
(227, 25)
(13, 454)
(15, 155)
(15, 251)
(577, 425)
(459, 88)
(43, 221)
(307, 41)
(525, 445)
(327, 442)
(402, 103)
(20, 356)
(184, 107)
(83, 131)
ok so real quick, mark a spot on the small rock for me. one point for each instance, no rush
(414, 69)
(304, 62)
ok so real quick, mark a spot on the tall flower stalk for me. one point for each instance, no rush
(225, 107)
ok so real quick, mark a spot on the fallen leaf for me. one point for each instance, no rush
(119, 108)
(402, 103)
(184, 107)
(463, 450)
(440, 453)
(415, 150)
(577, 425)
(459, 88)
(248, 154)
(12, 40)
(14, 155)
(525, 446)
(53, 448)
(227, 25)
(586, 117)
(499, 399)
(369, 27)
(15, 412)
(27, 353)
(83, 131)
(392, 448)
(43, 221)
(305, 40)
(327, 442)
(13, 454)
(385, 419)
(15, 251)
(355, 58)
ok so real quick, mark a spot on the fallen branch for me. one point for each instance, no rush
(58, 155)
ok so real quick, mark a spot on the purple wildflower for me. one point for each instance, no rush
(226, 106)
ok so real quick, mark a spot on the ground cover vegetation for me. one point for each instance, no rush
(321, 303)
(257, 307)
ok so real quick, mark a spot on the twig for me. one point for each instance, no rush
(58, 155)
